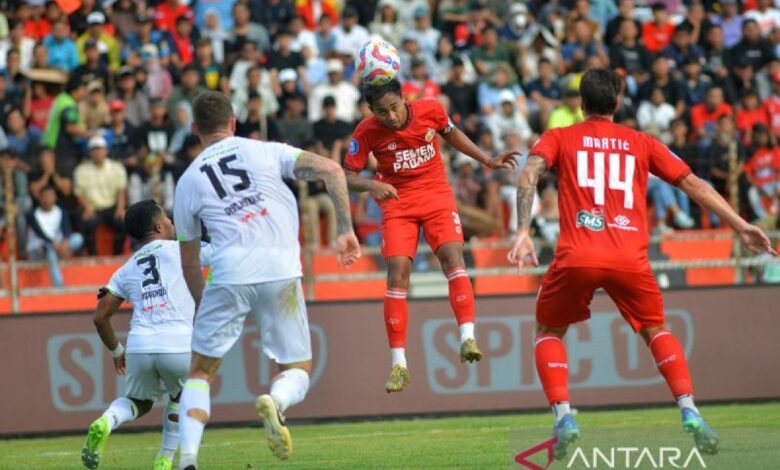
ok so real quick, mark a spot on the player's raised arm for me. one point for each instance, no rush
(461, 142)
(312, 167)
(526, 191)
(108, 305)
(753, 237)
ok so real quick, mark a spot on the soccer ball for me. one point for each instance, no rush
(377, 62)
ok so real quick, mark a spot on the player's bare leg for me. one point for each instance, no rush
(121, 410)
(670, 359)
(396, 313)
(461, 298)
(553, 369)
(288, 388)
(195, 407)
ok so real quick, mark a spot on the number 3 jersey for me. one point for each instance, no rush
(602, 170)
(235, 188)
(163, 309)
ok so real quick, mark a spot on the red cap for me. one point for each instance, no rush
(116, 105)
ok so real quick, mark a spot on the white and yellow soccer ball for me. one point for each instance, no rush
(377, 62)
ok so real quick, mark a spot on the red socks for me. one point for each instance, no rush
(670, 359)
(552, 367)
(396, 317)
(461, 295)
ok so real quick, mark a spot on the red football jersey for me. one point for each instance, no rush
(772, 107)
(764, 166)
(408, 158)
(602, 172)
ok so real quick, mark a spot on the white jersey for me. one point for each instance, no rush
(163, 309)
(235, 187)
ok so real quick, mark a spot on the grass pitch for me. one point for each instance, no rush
(750, 435)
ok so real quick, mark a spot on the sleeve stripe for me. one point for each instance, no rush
(297, 153)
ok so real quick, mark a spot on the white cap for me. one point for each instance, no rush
(288, 75)
(97, 141)
(334, 65)
(506, 95)
(96, 17)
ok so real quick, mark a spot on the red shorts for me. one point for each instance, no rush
(565, 295)
(401, 222)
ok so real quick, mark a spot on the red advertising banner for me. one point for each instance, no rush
(58, 376)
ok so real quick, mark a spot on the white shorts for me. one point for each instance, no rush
(149, 375)
(280, 312)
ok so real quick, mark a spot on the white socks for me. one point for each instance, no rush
(466, 331)
(194, 396)
(170, 435)
(399, 356)
(686, 401)
(121, 411)
(560, 410)
(289, 388)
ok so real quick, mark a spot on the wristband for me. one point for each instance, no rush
(118, 351)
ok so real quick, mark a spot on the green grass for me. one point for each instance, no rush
(750, 436)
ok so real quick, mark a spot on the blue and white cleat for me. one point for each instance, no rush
(703, 435)
(567, 432)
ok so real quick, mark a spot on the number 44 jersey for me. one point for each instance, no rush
(236, 188)
(602, 170)
(163, 309)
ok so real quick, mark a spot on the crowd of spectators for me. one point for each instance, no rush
(95, 97)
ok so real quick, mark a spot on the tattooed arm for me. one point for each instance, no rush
(312, 167)
(526, 191)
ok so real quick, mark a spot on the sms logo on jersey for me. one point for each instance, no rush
(353, 147)
(593, 220)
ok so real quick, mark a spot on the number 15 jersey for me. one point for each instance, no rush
(602, 170)
(235, 188)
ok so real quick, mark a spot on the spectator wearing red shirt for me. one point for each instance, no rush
(182, 41)
(704, 116)
(750, 114)
(420, 86)
(658, 33)
(306, 10)
(166, 14)
(772, 106)
(762, 171)
(37, 25)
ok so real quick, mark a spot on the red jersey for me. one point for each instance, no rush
(764, 166)
(701, 116)
(772, 107)
(747, 118)
(602, 172)
(414, 90)
(409, 158)
(655, 37)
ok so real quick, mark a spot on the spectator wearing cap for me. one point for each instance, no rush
(515, 24)
(253, 124)
(93, 110)
(507, 119)
(257, 82)
(100, 184)
(223, 9)
(17, 40)
(107, 44)
(63, 131)
(695, 84)
(660, 76)
(213, 76)
(569, 113)
(159, 82)
(730, 20)
(386, 24)
(682, 45)
(766, 15)
(345, 93)
(704, 116)
(93, 69)
(182, 42)
(167, 12)
(716, 55)
(292, 127)
(350, 35)
(658, 33)
(63, 53)
(78, 19)
(490, 53)
(284, 58)
(311, 11)
(121, 136)
(753, 46)
(246, 30)
(273, 14)
(187, 90)
(419, 85)
(290, 89)
(217, 36)
(427, 36)
(331, 132)
(51, 237)
(136, 101)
